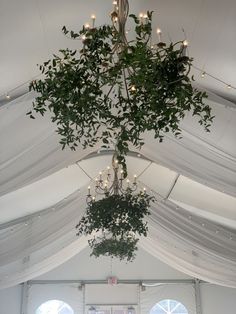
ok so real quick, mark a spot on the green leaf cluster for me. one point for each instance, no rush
(111, 89)
(120, 219)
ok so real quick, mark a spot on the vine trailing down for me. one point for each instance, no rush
(117, 89)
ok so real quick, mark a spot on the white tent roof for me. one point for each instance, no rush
(196, 174)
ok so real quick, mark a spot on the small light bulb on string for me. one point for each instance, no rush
(133, 88)
(83, 37)
(8, 96)
(115, 2)
(229, 86)
(203, 74)
(185, 43)
(86, 26)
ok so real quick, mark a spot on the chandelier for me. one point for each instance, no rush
(115, 89)
(118, 88)
(112, 182)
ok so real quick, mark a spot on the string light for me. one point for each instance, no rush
(8, 96)
(203, 74)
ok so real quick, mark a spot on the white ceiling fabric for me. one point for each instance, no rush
(31, 152)
(30, 149)
(195, 246)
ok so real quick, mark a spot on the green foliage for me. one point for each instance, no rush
(122, 248)
(102, 93)
(120, 218)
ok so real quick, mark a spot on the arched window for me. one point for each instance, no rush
(54, 307)
(169, 307)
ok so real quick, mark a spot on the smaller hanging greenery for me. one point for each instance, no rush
(119, 220)
(118, 89)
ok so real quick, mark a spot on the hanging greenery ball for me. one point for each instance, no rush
(120, 220)
(115, 89)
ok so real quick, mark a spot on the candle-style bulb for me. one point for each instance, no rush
(93, 17)
(159, 34)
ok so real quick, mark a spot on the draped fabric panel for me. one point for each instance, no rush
(193, 245)
(30, 149)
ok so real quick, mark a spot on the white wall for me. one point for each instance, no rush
(218, 300)
(10, 300)
(215, 299)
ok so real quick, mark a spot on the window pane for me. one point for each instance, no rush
(54, 307)
(169, 306)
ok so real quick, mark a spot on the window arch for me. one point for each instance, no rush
(169, 306)
(54, 307)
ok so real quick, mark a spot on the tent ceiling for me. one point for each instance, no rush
(33, 35)
(159, 180)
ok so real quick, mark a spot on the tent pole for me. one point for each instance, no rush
(197, 296)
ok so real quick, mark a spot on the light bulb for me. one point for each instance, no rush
(158, 31)
(141, 15)
(229, 86)
(133, 88)
(8, 96)
(185, 43)
(203, 74)
(87, 26)
(83, 37)
(93, 17)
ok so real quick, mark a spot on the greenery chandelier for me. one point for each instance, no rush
(114, 89)
(115, 215)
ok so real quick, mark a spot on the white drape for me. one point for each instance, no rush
(30, 149)
(193, 245)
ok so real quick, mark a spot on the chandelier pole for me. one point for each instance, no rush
(123, 12)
